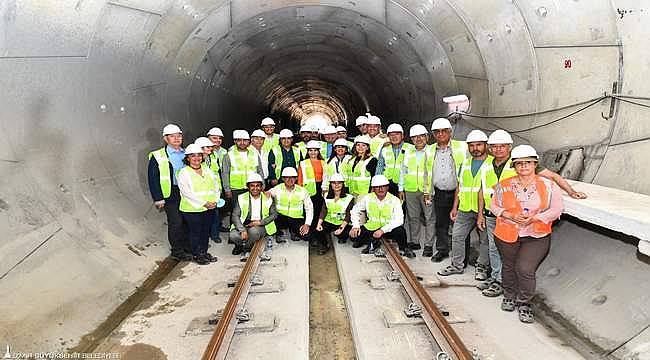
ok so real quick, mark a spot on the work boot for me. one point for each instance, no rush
(210, 257)
(428, 251)
(237, 250)
(201, 260)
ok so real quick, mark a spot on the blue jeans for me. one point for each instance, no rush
(198, 225)
(493, 252)
(215, 227)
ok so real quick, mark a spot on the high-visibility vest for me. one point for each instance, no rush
(303, 149)
(336, 209)
(392, 164)
(330, 169)
(203, 187)
(323, 150)
(468, 185)
(239, 168)
(219, 154)
(418, 172)
(244, 204)
(269, 144)
(508, 231)
(163, 170)
(359, 177)
(290, 203)
(489, 179)
(308, 177)
(458, 153)
(215, 167)
(279, 159)
(379, 214)
(377, 143)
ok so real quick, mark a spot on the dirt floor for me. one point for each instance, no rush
(329, 327)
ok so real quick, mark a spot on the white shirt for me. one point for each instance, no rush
(308, 205)
(185, 187)
(256, 208)
(361, 206)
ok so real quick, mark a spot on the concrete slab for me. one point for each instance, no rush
(614, 209)
(259, 322)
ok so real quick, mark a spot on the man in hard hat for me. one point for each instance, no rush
(361, 124)
(327, 145)
(294, 206)
(240, 161)
(252, 217)
(464, 211)
(283, 156)
(414, 186)
(342, 133)
(218, 152)
(258, 139)
(163, 186)
(384, 218)
(377, 139)
(391, 157)
(271, 139)
(448, 156)
(305, 136)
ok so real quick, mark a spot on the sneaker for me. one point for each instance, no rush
(414, 246)
(237, 250)
(428, 251)
(494, 290)
(201, 260)
(450, 270)
(480, 272)
(210, 257)
(216, 239)
(485, 284)
(439, 256)
(508, 305)
(182, 257)
(526, 313)
(244, 257)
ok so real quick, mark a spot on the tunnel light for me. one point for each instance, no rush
(457, 103)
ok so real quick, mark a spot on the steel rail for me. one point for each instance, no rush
(220, 341)
(440, 329)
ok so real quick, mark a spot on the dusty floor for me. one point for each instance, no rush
(330, 336)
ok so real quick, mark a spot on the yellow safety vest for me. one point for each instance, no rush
(330, 169)
(277, 153)
(336, 209)
(308, 177)
(163, 170)
(269, 144)
(244, 204)
(204, 187)
(489, 180)
(392, 164)
(380, 214)
(415, 179)
(359, 177)
(303, 149)
(458, 153)
(377, 143)
(239, 168)
(468, 185)
(290, 203)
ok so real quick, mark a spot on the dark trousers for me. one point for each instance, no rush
(176, 227)
(215, 227)
(393, 188)
(443, 201)
(398, 235)
(520, 261)
(329, 228)
(290, 226)
(198, 225)
(317, 200)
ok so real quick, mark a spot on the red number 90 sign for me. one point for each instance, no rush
(567, 64)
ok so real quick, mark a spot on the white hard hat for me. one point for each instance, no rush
(203, 141)
(313, 144)
(361, 120)
(476, 136)
(440, 123)
(305, 128)
(171, 129)
(340, 142)
(215, 131)
(364, 139)
(417, 129)
(240, 134)
(193, 149)
(394, 128)
(378, 180)
(286, 133)
(267, 121)
(373, 120)
(254, 177)
(500, 137)
(328, 130)
(337, 177)
(289, 172)
(258, 133)
(341, 129)
(522, 152)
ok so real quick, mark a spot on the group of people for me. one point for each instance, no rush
(377, 186)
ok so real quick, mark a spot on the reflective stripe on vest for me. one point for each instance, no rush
(508, 231)
(163, 170)
(203, 187)
(380, 214)
(458, 152)
(336, 209)
(418, 174)
(239, 169)
(392, 165)
(359, 177)
(308, 177)
(279, 159)
(468, 185)
(290, 203)
(269, 144)
(489, 179)
(244, 204)
(330, 169)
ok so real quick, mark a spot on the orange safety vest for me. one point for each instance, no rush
(508, 231)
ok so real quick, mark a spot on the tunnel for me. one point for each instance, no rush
(88, 85)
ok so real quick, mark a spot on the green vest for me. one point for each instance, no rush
(308, 177)
(336, 209)
(468, 185)
(303, 149)
(269, 144)
(393, 165)
(239, 169)
(458, 152)
(380, 214)
(277, 153)
(163, 170)
(489, 179)
(290, 203)
(244, 204)
(377, 143)
(219, 154)
(359, 182)
(214, 166)
(330, 169)
(204, 187)
(418, 172)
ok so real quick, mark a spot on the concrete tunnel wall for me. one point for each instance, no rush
(87, 86)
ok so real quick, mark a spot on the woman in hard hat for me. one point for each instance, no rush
(310, 176)
(334, 215)
(199, 196)
(525, 206)
(361, 167)
(336, 164)
(211, 162)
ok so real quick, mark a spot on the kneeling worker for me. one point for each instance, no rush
(252, 217)
(384, 218)
(295, 209)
